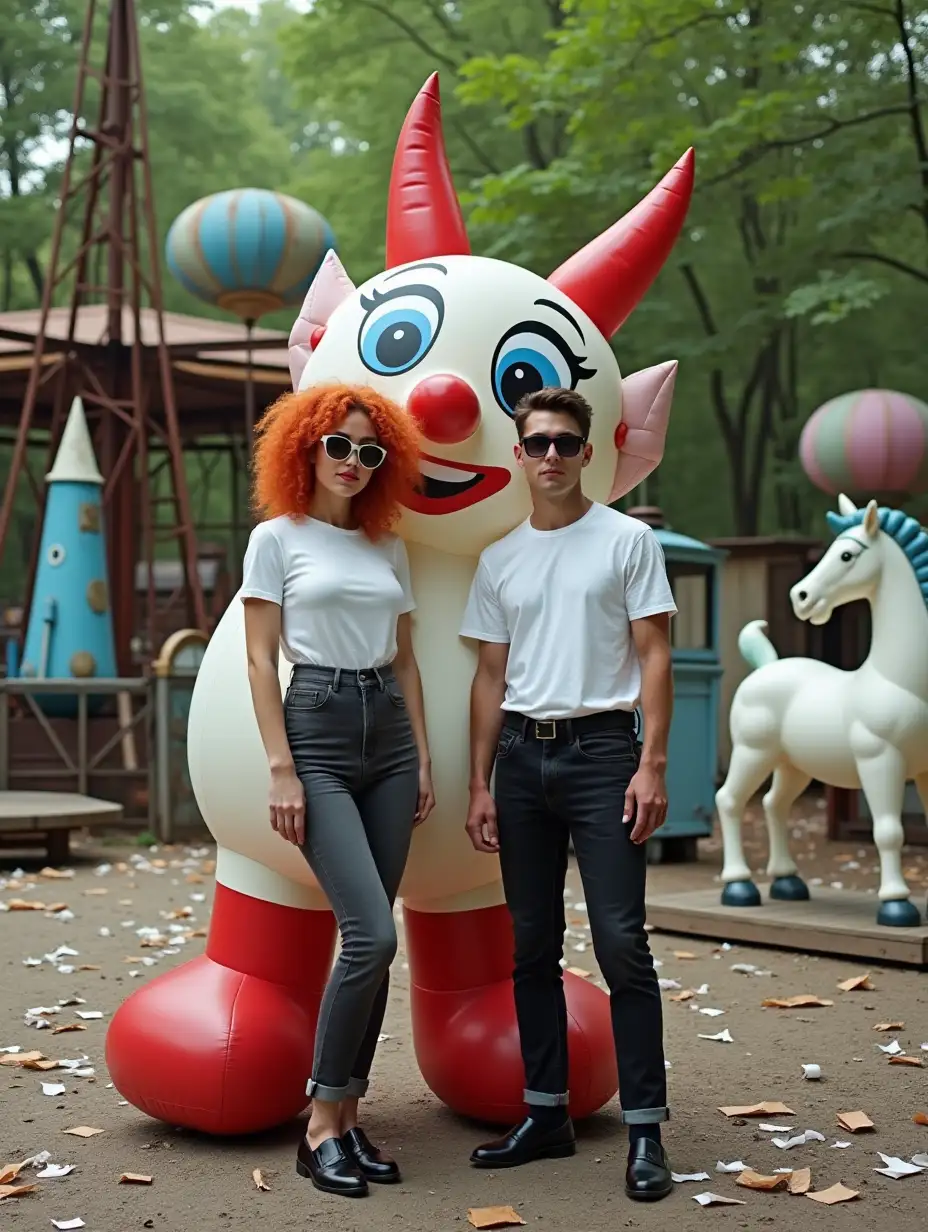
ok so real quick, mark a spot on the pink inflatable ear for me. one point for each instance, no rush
(646, 399)
(328, 289)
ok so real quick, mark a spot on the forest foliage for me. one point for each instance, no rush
(803, 269)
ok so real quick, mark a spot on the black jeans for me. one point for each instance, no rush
(355, 754)
(547, 791)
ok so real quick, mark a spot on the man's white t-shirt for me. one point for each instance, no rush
(563, 600)
(340, 593)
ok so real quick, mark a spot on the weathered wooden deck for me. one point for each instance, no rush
(839, 922)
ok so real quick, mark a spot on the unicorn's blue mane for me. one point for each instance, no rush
(899, 526)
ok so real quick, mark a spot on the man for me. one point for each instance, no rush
(572, 611)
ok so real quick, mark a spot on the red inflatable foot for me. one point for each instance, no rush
(464, 1020)
(224, 1043)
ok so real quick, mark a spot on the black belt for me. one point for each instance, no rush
(568, 729)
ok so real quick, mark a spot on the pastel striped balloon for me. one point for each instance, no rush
(869, 441)
(248, 250)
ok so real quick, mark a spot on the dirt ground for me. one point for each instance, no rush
(200, 1183)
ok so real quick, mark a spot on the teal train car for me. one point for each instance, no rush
(70, 627)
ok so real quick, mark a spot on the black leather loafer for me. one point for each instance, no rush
(371, 1161)
(647, 1177)
(526, 1142)
(330, 1169)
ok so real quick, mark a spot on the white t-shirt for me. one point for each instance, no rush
(563, 599)
(340, 592)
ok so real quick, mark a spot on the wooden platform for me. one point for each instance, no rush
(840, 922)
(29, 816)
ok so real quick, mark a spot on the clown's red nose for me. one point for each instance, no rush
(446, 409)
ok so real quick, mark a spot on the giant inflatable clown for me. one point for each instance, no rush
(224, 1043)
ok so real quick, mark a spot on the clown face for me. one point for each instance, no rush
(458, 341)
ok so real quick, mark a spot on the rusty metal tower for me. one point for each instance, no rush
(105, 251)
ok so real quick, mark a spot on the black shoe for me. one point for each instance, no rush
(526, 1142)
(373, 1164)
(647, 1177)
(330, 1169)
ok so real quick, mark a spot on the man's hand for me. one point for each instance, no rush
(646, 801)
(481, 821)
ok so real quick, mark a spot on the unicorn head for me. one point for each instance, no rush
(458, 339)
(853, 567)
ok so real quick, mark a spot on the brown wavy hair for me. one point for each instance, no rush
(284, 478)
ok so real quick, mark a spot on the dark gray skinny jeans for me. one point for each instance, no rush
(355, 754)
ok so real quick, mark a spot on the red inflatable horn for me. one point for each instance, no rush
(424, 216)
(609, 276)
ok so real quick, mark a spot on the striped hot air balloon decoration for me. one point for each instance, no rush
(871, 443)
(248, 251)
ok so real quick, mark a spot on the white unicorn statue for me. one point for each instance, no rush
(801, 719)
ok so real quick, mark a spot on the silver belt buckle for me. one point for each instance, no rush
(545, 729)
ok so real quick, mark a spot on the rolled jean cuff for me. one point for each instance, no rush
(331, 1095)
(357, 1088)
(645, 1116)
(544, 1099)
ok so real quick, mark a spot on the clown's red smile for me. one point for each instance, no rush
(448, 487)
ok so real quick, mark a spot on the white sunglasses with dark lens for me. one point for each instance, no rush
(340, 448)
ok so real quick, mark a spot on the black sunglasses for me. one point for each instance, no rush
(567, 444)
(340, 448)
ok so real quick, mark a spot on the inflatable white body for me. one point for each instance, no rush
(456, 339)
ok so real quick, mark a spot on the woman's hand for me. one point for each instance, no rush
(287, 802)
(426, 795)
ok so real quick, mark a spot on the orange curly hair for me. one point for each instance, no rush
(284, 478)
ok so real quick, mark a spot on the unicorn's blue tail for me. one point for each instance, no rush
(755, 646)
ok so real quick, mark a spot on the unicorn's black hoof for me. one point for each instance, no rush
(899, 913)
(790, 889)
(741, 894)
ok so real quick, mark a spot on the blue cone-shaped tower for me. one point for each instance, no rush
(70, 629)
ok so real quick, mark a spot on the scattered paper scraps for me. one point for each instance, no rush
(787, 1144)
(855, 983)
(892, 1049)
(97, 892)
(53, 1088)
(54, 1171)
(16, 1191)
(21, 1058)
(83, 1131)
(800, 1181)
(579, 972)
(794, 1003)
(714, 1199)
(723, 1037)
(854, 1122)
(683, 955)
(90, 1013)
(134, 1178)
(679, 1177)
(493, 1217)
(754, 1180)
(920, 1118)
(768, 1108)
(57, 874)
(737, 1165)
(916, 1062)
(837, 1193)
(769, 1128)
(9, 1172)
(921, 1160)
(686, 995)
(896, 1168)
(889, 1026)
(68, 1026)
(812, 1072)
(68, 1225)
(42, 1066)
(259, 1180)
(22, 904)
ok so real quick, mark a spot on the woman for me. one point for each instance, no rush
(350, 771)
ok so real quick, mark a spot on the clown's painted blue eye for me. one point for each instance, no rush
(400, 328)
(529, 357)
